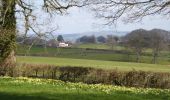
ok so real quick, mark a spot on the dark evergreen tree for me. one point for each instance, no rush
(60, 38)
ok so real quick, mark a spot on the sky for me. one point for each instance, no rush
(80, 20)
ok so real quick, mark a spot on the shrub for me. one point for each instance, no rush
(73, 74)
(95, 76)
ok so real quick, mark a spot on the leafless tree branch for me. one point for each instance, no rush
(129, 10)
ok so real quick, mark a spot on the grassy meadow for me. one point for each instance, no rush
(102, 53)
(99, 46)
(94, 55)
(45, 89)
(94, 46)
(123, 66)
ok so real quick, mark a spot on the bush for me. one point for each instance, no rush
(73, 74)
(95, 76)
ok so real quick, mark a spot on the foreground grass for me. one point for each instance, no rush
(124, 66)
(42, 89)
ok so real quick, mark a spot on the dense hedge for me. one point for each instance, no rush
(94, 76)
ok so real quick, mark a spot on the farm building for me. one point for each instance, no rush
(63, 44)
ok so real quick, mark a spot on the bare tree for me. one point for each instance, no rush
(112, 41)
(157, 42)
(8, 10)
(129, 10)
(137, 41)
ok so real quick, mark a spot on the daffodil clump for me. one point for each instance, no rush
(107, 89)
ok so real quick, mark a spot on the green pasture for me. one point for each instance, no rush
(92, 54)
(123, 66)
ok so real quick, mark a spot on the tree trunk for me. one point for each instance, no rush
(137, 56)
(8, 24)
(10, 59)
(155, 54)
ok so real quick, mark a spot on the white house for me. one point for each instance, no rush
(62, 44)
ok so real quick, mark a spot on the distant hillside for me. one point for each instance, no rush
(74, 36)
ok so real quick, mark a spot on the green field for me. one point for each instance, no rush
(124, 66)
(100, 46)
(94, 46)
(43, 89)
(92, 54)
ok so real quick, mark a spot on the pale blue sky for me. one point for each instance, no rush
(81, 20)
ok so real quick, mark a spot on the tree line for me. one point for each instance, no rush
(99, 39)
(110, 40)
(140, 40)
(136, 41)
(37, 41)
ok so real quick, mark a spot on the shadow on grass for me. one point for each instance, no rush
(66, 96)
(73, 96)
